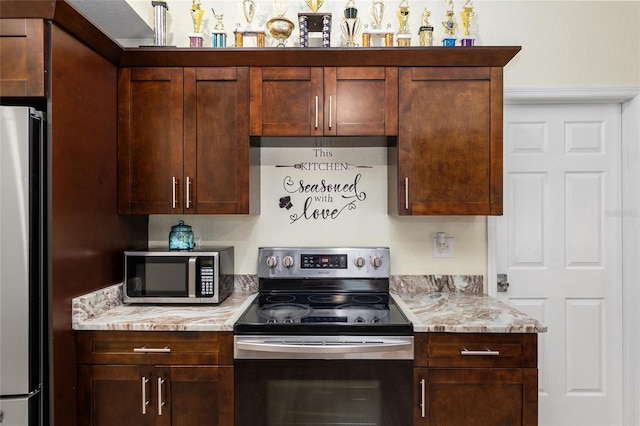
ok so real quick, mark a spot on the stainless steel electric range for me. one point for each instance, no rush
(324, 343)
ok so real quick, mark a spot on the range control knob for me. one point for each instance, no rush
(287, 261)
(360, 262)
(376, 261)
(271, 261)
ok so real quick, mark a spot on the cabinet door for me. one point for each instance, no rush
(477, 396)
(450, 141)
(361, 101)
(216, 129)
(116, 395)
(286, 101)
(197, 396)
(22, 65)
(150, 154)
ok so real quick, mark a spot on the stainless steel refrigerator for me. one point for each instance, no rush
(22, 267)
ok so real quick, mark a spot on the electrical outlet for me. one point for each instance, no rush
(443, 250)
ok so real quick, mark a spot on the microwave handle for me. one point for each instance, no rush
(193, 263)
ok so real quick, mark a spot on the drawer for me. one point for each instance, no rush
(154, 348)
(478, 350)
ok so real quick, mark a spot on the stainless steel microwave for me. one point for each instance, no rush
(204, 275)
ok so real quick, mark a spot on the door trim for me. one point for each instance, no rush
(629, 100)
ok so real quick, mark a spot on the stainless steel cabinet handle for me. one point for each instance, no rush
(406, 193)
(145, 349)
(478, 353)
(422, 397)
(160, 401)
(145, 402)
(316, 112)
(188, 192)
(174, 191)
(330, 107)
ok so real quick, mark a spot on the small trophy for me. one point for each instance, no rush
(280, 27)
(404, 38)
(218, 34)
(377, 13)
(249, 9)
(450, 26)
(195, 38)
(350, 25)
(466, 16)
(426, 30)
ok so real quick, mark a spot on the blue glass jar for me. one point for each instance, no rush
(181, 237)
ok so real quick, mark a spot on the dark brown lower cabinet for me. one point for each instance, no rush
(476, 379)
(143, 390)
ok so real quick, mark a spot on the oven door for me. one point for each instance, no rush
(366, 387)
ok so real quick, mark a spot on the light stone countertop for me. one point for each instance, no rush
(443, 304)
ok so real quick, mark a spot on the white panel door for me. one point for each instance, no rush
(559, 241)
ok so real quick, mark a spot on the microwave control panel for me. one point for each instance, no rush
(206, 287)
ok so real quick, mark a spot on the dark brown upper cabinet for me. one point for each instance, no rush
(22, 66)
(449, 153)
(324, 101)
(183, 140)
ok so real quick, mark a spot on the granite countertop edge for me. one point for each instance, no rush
(449, 311)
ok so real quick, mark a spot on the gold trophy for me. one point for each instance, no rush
(466, 16)
(218, 34)
(404, 38)
(450, 26)
(314, 5)
(426, 30)
(280, 27)
(195, 38)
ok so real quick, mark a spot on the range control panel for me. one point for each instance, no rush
(323, 262)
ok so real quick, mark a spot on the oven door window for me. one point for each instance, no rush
(318, 392)
(157, 276)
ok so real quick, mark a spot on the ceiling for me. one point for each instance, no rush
(115, 18)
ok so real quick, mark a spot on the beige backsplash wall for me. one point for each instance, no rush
(365, 223)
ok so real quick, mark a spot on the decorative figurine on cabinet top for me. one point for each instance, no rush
(280, 26)
(450, 26)
(404, 37)
(466, 16)
(426, 30)
(195, 38)
(350, 25)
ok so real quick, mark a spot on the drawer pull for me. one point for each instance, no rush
(479, 353)
(144, 349)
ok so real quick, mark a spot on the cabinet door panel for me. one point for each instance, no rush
(117, 396)
(449, 158)
(479, 397)
(217, 139)
(150, 152)
(286, 101)
(22, 66)
(363, 101)
(197, 396)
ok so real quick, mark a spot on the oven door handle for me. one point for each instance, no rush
(324, 347)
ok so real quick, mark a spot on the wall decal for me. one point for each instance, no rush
(321, 190)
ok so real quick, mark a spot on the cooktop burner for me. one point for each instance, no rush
(314, 291)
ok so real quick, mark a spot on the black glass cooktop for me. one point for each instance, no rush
(323, 313)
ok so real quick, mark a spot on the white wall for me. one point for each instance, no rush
(564, 44)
